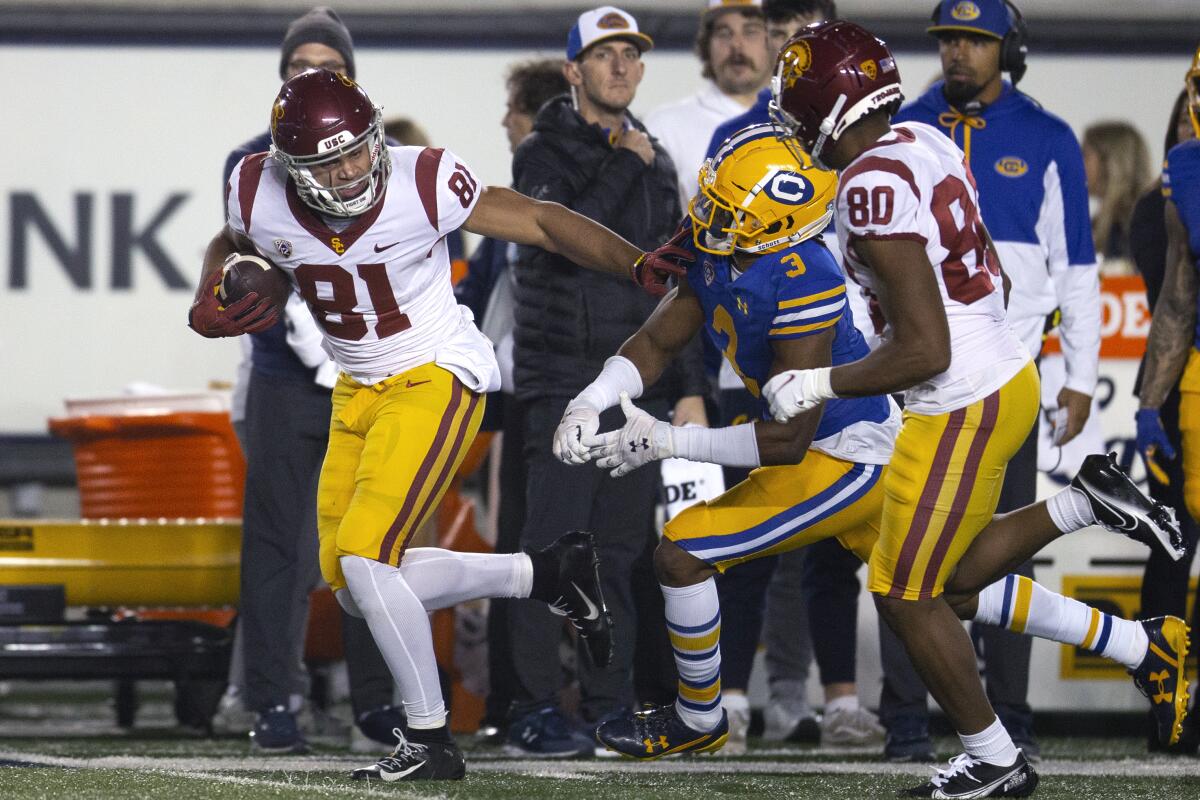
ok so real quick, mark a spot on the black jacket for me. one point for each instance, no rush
(570, 319)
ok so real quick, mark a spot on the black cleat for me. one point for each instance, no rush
(575, 591)
(967, 777)
(411, 761)
(657, 732)
(1160, 676)
(1121, 507)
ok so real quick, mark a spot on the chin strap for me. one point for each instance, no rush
(826, 129)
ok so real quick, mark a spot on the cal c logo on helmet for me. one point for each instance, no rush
(789, 188)
(797, 60)
(334, 142)
(869, 69)
(1011, 167)
(965, 11)
(612, 21)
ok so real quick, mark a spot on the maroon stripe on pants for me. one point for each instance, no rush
(422, 473)
(927, 502)
(447, 473)
(987, 424)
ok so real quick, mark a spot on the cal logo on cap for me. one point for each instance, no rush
(612, 21)
(965, 11)
(1012, 167)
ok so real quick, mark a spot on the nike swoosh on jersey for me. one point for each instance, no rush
(593, 612)
(379, 249)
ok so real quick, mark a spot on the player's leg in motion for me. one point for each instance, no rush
(776, 509)
(942, 486)
(1152, 650)
(393, 450)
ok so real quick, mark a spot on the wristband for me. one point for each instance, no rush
(732, 446)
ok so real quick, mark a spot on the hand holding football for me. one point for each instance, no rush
(242, 274)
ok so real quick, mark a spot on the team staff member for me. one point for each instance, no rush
(588, 153)
(1033, 196)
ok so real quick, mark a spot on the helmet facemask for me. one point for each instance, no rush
(328, 200)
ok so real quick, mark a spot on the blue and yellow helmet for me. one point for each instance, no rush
(756, 197)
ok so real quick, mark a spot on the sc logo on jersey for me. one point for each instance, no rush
(790, 188)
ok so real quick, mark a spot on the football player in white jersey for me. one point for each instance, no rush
(359, 228)
(911, 235)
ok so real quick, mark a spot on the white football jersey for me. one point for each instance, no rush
(379, 286)
(914, 184)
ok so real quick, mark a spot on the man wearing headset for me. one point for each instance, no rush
(1033, 196)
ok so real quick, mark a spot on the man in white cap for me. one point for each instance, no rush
(588, 153)
(737, 62)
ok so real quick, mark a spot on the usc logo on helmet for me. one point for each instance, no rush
(797, 60)
(346, 81)
(276, 115)
(965, 11)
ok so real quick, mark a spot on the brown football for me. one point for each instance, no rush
(243, 274)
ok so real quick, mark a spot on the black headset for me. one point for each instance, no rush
(1013, 47)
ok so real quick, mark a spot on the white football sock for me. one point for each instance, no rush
(847, 702)
(1025, 606)
(694, 624)
(1070, 510)
(400, 627)
(992, 744)
(443, 578)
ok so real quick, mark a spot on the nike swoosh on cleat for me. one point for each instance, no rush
(395, 776)
(593, 612)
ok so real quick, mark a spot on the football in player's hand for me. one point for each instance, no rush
(243, 273)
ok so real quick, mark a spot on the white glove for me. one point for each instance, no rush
(641, 440)
(797, 390)
(576, 434)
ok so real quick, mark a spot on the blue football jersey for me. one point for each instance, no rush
(796, 292)
(1181, 185)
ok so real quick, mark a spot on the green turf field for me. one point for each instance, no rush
(55, 745)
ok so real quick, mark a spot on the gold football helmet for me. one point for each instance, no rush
(756, 197)
(1193, 92)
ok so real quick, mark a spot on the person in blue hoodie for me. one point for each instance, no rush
(1033, 196)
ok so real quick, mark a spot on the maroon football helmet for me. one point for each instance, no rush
(319, 117)
(829, 76)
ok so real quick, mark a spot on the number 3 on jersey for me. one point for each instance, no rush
(330, 293)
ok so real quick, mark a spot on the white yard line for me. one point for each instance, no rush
(210, 768)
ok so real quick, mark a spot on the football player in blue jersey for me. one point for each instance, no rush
(768, 292)
(1173, 349)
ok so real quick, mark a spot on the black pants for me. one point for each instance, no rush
(620, 512)
(510, 519)
(1005, 654)
(286, 433)
(1165, 584)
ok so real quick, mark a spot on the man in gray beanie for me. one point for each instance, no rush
(284, 434)
(320, 26)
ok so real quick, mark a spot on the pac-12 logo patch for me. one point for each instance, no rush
(1012, 166)
(965, 11)
(869, 69)
(789, 187)
(284, 247)
(710, 274)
